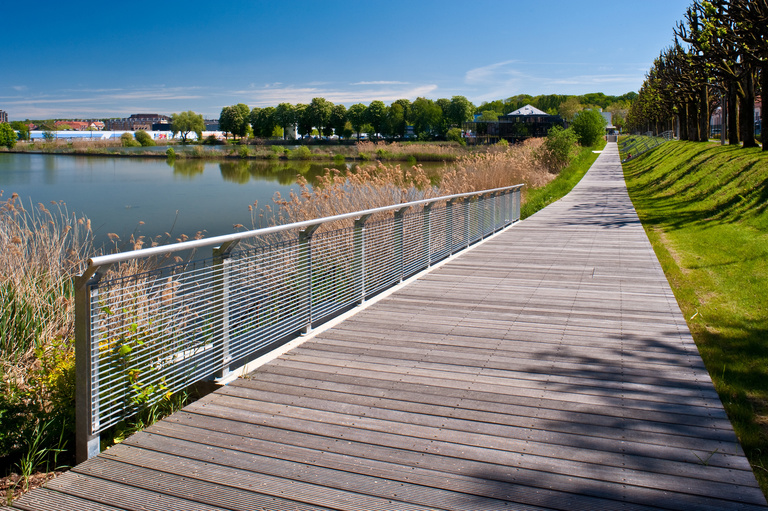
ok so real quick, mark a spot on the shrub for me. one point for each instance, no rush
(589, 126)
(559, 149)
(454, 135)
(170, 153)
(126, 139)
(301, 153)
(212, 140)
(143, 138)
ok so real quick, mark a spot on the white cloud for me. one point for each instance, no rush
(303, 94)
(381, 82)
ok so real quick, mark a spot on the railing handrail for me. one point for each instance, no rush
(95, 262)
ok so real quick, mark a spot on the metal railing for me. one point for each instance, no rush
(142, 334)
(635, 145)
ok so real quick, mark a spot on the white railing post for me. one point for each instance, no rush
(399, 252)
(86, 370)
(358, 269)
(305, 271)
(221, 264)
(426, 234)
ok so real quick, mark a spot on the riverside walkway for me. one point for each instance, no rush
(547, 368)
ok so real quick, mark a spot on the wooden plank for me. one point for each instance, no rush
(549, 368)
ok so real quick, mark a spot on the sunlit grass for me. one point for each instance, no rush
(705, 209)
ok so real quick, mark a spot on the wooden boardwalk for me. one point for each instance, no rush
(548, 368)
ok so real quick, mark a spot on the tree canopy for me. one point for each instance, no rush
(187, 122)
(7, 135)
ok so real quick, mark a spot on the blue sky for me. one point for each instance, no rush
(112, 59)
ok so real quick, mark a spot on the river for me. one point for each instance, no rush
(118, 194)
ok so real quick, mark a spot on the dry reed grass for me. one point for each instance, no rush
(378, 185)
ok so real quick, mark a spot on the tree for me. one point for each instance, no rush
(459, 111)
(751, 32)
(427, 117)
(569, 108)
(338, 119)
(304, 122)
(263, 121)
(230, 120)
(23, 129)
(7, 135)
(285, 117)
(376, 115)
(319, 113)
(185, 123)
(395, 124)
(356, 117)
(589, 126)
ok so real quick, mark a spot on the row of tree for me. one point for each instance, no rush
(718, 59)
(429, 118)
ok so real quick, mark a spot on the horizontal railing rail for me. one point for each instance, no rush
(149, 323)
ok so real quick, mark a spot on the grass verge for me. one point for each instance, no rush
(705, 210)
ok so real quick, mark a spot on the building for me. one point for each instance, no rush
(525, 122)
(135, 122)
(72, 125)
(3, 116)
(716, 120)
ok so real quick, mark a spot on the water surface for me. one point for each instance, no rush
(118, 193)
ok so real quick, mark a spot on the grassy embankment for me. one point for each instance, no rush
(42, 247)
(705, 209)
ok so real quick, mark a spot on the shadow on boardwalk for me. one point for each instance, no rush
(548, 368)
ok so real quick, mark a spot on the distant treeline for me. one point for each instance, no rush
(423, 118)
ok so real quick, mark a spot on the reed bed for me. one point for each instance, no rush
(380, 184)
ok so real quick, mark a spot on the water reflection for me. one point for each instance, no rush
(187, 168)
(284, 173)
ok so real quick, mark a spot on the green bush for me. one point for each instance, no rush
(589, 126)
(454, 135)
(7, 136)
(170, 153)
(126, 139)
(559, 149)
(143, 138)
(301, 153)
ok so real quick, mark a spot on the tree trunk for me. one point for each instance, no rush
(733, 115)
(764, 92)
(704, 114)
(683, 115)
(747, 110)
(693, 121)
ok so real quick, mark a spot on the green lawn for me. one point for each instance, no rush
(705, 209)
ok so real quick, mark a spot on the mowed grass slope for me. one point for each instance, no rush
(705, 209)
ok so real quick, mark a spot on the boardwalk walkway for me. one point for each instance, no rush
(548, 368)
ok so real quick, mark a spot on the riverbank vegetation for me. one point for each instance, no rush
(705, 209)
(42, 247)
